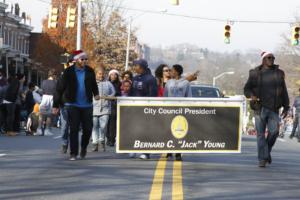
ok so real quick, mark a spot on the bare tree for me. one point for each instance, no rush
(98, 13)
(109, 31)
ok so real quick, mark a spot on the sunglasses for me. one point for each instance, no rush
(167, 70)
(271, 58)
(85, 59)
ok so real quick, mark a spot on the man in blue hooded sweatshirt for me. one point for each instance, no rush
(143, 85)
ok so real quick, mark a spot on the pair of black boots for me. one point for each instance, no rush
(178, 156)
(110, 143)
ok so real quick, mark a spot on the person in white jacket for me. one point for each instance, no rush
(101, 109)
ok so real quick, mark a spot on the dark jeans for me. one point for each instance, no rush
(10, 118)
(112, 126)
(84, 117)
(295, 125)
(2, 117)
(267, 119)
(64, 128)
(17, 119)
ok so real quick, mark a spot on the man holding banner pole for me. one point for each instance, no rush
(177, 87)
(144, 85)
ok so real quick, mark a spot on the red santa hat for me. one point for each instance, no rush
(79, 54)
(265, 54)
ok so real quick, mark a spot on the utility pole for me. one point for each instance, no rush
(128, 44)
(79, 20)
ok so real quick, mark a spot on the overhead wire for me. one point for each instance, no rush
(195, 17)
(44, 1)
(205, 18)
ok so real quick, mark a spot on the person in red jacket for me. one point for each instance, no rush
(162, 74)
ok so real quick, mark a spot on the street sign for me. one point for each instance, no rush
(179, 125)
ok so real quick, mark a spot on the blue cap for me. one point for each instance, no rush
(141, 62)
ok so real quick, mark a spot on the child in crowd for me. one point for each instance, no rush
(125, 91)
(126, 88)
(33, 121)
(101, 109)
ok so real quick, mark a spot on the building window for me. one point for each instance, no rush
(1, 30)
(9, 37)
(12, 41)
(15, 40)
(27, 47)
(22, 44)
(5, 36)
(19, 44)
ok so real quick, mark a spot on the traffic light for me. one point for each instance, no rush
(175, 2)
(227, 29)
(71, 17)
(53, 18)
(295, 35)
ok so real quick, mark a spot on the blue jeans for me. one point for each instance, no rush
(65, 129)
(99, 128)
(266, 119)
(295, 125)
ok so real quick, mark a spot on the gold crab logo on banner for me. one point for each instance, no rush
(179, 127)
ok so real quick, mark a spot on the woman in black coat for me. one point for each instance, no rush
(114, 78)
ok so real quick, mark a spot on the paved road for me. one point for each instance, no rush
(33, 168)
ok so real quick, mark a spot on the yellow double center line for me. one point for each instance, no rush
(158, 180)
(177, 190)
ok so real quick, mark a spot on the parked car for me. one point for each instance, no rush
(205, 91)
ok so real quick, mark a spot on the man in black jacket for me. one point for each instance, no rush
(267, 89)
(12, 101)
(76, 89)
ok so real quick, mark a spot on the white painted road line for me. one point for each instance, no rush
(2, 154)
(57, 137)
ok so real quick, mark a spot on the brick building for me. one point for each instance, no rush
(15, 32)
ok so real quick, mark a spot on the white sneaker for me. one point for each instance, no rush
(48, 132)
(72, 158)
(144, 157)
(38, 133)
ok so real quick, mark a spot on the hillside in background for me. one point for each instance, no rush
(211, 64)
